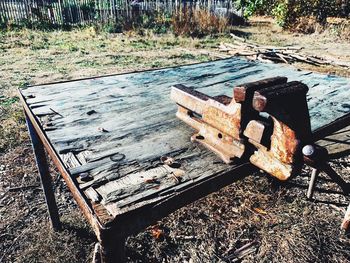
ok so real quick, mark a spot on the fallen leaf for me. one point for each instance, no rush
(157, 233)
(260, 211)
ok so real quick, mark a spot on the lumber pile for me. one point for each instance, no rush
(272, 54)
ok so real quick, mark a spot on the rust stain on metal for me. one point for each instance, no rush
(284, 142)
(216, 119)
(227, 118)
(255, 131)
(279, 160)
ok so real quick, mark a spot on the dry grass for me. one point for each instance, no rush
(326, 43)
(25, 230)
(307, 25)
(287, 227)
(33, 57)
(338, 28)
(198, 23)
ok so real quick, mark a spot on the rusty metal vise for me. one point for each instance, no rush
(266, 121)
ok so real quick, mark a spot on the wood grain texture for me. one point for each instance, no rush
(116, 128)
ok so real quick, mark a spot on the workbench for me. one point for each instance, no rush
(111, 138)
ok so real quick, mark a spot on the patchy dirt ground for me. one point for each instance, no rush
(281, 223)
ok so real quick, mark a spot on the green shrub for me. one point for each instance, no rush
(288, 12)
(157, 21)
(114, 26)
(255, 7)
(280, 13)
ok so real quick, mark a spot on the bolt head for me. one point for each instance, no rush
(308, 150)
(85, 177)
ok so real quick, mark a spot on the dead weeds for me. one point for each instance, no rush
(25, 230)
(286, 227)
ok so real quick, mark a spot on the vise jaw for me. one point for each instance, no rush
(266, 121)
(286, 106)
(216, 119)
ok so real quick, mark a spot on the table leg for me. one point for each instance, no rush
(313, 178)
(45, 176)
(346, 222)
(97, 254)
(113, 249)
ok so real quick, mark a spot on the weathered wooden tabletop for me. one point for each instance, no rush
(115, 129)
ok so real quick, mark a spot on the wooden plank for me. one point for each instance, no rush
(156, 178)
(70, 160)
(323, 84)
(332, 127)
(337, 144)
(92, 195)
